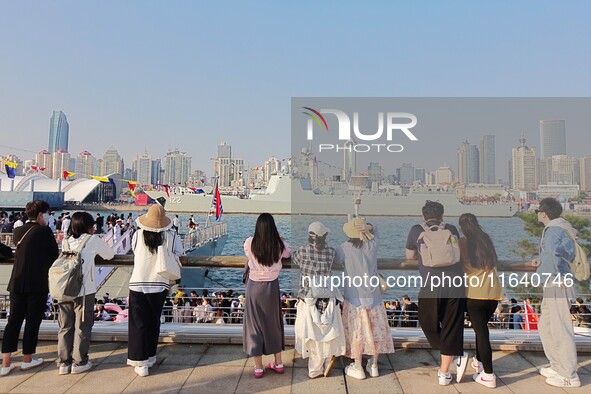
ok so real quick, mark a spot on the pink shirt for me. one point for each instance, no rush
(261, 273)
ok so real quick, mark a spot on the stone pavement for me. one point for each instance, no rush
(202, 368)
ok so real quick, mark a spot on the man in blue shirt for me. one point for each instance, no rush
(557, 249)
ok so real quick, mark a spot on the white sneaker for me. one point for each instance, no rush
(548, 372)
(141, 371)
(354, 372)
(444, 378)
(32, 364)
(372, 368)
(64, 369)
(560, 381)
(461, 364)
(81, 368)
(476, 365)
(151, 361)
(486, 379)
(6, 370)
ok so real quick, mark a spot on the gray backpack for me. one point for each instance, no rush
(65, 274)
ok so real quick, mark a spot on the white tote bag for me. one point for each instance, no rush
(169, 264)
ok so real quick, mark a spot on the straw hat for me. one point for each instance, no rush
(155, 220)
(351, 231)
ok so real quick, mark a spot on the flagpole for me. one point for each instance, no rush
(208, 222)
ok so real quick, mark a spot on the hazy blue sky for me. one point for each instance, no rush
(189, 74)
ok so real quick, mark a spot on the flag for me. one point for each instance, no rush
(10, 168)
(67, 174)
(100, 178)
(531, 318)
(166, 190)
(217, 202)
(35, 168)
(42, 169)
(131, 185)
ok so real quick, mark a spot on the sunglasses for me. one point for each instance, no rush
(537, 211)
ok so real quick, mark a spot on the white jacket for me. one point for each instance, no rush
(144, 278)
(94, 246)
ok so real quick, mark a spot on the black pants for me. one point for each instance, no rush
(30, 306)
(144, 325)
(442, 322)
(480, 312)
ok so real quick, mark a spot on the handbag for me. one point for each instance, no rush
(169, 264)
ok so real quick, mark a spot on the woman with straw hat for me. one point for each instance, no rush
(364, 316)
(148, 289)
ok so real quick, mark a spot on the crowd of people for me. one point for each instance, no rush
(351, 320)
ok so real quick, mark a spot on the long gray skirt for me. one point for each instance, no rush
(263, 322)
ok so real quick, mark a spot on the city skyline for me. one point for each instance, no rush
(122, 83)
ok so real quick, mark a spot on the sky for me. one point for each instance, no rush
(153, 75)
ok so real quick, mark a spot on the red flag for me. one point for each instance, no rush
(42, 169)
(217, 201)
(531, 318)
(131, 185)
(35, 168)
(166, 190)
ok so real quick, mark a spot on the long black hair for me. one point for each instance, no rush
(82, 222)
(153, 240)
(480, 247)
(266, 245)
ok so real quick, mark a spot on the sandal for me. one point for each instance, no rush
(258, 373)
(276, 367)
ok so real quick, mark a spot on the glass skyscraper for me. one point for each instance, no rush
(59, 131)
(552, 138)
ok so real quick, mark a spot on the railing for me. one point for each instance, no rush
(202, 236)
(120, 243)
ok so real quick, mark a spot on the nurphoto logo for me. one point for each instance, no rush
(395, 122)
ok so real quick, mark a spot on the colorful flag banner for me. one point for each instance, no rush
(531, 318)
(67, 174)
(217, 202)
(10, 167)
(100, 178)
(131, 185)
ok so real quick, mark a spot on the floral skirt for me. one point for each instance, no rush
(366, 331)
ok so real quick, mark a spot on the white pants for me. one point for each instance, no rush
(556, 331)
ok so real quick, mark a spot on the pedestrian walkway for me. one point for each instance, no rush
(202, 368)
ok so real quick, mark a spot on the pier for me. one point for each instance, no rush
(214, 368)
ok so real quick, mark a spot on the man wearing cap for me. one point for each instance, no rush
(318, 327)
(441, 307)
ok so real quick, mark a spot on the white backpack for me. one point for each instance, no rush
(440, 247)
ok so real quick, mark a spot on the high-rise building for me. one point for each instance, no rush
(112, 163)
(564, 170)
(84, 165)
(420, 175)
(177, 167)
(524, 168)
(487, 160)
(272, 166)
(552, 138)
(61, 163)
(441, 176)
(468, 163)
(585, 173)
(59, 131)
(374, 170)
(142, 165)
(406, 174)
(228, 170)
(43, 159)
(157, 172)
(224, 150)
